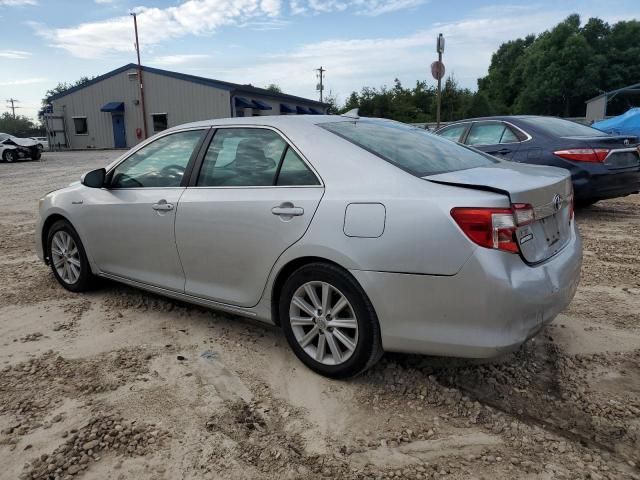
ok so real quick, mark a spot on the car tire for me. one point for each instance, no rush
(9, 156)
(40, 147)
(36, 154)
(67, 258)
(354, 331)
(586, 202)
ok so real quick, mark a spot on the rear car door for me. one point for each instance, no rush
(252, 197)
(454, 132)
(493, 137)
(130, 224)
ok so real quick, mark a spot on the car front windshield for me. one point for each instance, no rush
(562, 128)
(409, 148)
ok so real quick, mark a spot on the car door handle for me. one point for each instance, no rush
(504, 151)
(162, 206)
(287, 211)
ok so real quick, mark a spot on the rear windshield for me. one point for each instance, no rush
(409, 148)
(562, 128)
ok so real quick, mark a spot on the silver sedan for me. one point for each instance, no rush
(355, 235)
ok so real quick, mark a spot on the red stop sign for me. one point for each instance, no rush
(437, 70)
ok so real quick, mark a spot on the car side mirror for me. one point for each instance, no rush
(94, 178)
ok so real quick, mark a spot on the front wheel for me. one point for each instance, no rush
(67, 258)
(329, 321)
(36, 154)
(9, 156)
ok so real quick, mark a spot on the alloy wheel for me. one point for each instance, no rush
(65, 257)
(323, 322)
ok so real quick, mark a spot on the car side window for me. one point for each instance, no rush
(242, 157)
(453, 132)
(162, 163)
(509, 136)
(294, 171)
(488, 133)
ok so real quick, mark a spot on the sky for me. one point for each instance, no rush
(359, 42)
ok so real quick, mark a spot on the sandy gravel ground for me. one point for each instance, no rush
(122, 384)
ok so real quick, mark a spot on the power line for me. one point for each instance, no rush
(13, 101)
(320, 75)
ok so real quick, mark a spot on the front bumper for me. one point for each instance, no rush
(494, 304)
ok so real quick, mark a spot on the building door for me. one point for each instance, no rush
(119, 136)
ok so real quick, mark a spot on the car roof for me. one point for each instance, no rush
(266, 120)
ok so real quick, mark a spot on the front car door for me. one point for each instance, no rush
(130, 223)
(253, 197)
(493, 137)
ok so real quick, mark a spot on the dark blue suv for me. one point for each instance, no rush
(601, 165)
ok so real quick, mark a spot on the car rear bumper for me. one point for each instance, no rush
(611, 184)
(493, 305)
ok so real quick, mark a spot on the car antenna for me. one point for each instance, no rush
(353, 113)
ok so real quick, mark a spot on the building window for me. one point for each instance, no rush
(159, 122)
(80, 124)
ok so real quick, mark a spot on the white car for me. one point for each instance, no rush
(14, 148)
(42, 142)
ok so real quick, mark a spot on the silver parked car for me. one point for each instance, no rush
(355, 235)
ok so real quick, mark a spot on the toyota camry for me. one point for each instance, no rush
(354, 235)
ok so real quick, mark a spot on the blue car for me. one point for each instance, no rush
(602, 165)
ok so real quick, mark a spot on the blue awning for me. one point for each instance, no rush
(113, 107)
(244, 103)
(303, 110)
(284, 108)
(315, 111)
(261, 105)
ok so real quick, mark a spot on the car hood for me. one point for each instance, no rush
(20, 142)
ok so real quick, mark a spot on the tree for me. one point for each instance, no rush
(557, 71)
(20, 126)
(272, 87)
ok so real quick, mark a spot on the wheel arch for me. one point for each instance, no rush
(46, 225)
(286, 271)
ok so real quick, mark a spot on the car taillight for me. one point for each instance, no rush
(493, 227)
(594, 155)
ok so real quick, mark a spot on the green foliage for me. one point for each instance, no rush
(20, 126)
(418, 104)
(557, 71)
(272, 87)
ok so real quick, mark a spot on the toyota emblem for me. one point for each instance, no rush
(557, 202)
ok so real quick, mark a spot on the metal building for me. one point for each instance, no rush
(106, 112)
(597, 106)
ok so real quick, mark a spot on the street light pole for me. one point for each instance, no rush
(140, 82)
(440, 48)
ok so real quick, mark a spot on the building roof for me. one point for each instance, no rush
(635, 88)
(231, 87)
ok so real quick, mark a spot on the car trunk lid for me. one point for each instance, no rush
(547, 189)
(623, 150)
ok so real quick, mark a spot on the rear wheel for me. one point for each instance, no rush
(329, 321)
(9, 156)
(67, 257)
(36, 154)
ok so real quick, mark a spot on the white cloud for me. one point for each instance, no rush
(199, 17)
(156, 25)
(22, 81)
(17, 3)
(104, 1)
(14, 54)
(179, 59)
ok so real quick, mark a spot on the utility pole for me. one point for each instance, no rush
(320, 75)
(144, 109)
(440, 48)
(13, 101)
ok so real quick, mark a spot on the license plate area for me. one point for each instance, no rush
(623, 159)
(550, 229)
